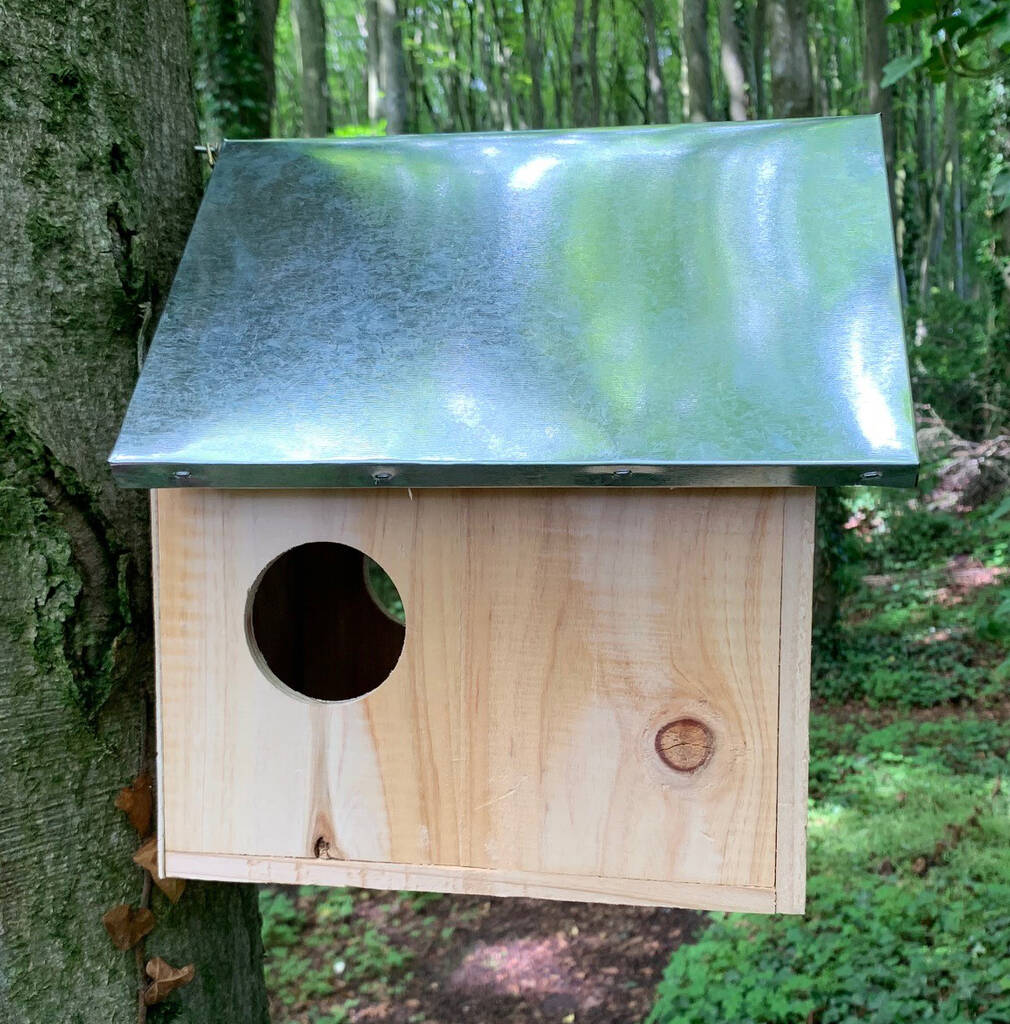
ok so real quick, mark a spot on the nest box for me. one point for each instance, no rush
(484, 473)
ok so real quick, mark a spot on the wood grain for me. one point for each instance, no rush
(794, 700)
(472, 881)
(550, 635)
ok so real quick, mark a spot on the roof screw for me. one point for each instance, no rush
(181, 474)
(381, 477)
(871, 474)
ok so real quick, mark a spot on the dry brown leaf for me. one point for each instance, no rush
(920, 866)
(136, 801)
(165, 979)
(126, 925)
(147, 858)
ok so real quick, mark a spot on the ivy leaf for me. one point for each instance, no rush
(147, 858)
(136, 801)
(127, 926)
(165, 979)
(899, 67)
(909, 11)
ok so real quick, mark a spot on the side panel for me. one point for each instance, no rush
(550, 636)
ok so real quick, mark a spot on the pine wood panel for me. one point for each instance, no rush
(550, 634)
(794, 701)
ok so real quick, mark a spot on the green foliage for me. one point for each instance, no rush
(969, 37)
(318, 945)
(909, 897)
(912, 638)
(954, 363)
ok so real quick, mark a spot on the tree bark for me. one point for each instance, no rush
(878, 99)
(373, 90)
(96, 150)
(535, 62)
(792, 79)
(659, 114)
(233, 55)
(758, 41)
(593, 45)
(394, 75)
(310, 34)
(577, 69)
(699, 70)
(731, 58)
(942, 173)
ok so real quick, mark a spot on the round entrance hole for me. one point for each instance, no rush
(326, 621)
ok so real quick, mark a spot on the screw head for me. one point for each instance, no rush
(685, 744)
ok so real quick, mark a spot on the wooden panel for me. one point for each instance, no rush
(550, 635)
(794, 700)
(472, 881)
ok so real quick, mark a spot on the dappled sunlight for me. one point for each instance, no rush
(521, 967)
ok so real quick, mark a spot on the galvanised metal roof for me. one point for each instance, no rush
(690, 305)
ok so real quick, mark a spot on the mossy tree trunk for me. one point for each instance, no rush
(100, 183)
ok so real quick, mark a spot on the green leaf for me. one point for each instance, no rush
(899, 67)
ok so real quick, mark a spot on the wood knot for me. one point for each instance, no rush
(322, 847)
(685, 745)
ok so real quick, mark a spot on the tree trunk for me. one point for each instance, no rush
(233, 54)
(593, 62)
(758, 41)
(658, 111)
(394, 75)
(699, 71)
(731, 58)
(373, 90)
(96, 150)
(879, 100)
(577, 69)
(792, 80)
(935, 231)
(310, 36)
(534, 59)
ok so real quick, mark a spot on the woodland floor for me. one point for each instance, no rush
(471, 960)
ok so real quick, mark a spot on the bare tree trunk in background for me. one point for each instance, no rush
(374, 89)
(789, 47)
(535, 62)
(943, 170)
(880, 100)
(393, 72)
(957, 213)
(731, 58)
(266, 31)
(758, 41)
(503, 59)
(310, 37)
(233, 54)
(653, 69)
(577, 69)
(100, 187)
(593, 44)
(694, 43)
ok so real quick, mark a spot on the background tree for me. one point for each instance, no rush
(789, 47)
(96, 149)
(696, 56)
(233, 48)
(310, 32)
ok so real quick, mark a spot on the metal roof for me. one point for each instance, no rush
(690, 305)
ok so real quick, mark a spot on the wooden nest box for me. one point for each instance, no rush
(484, 474)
